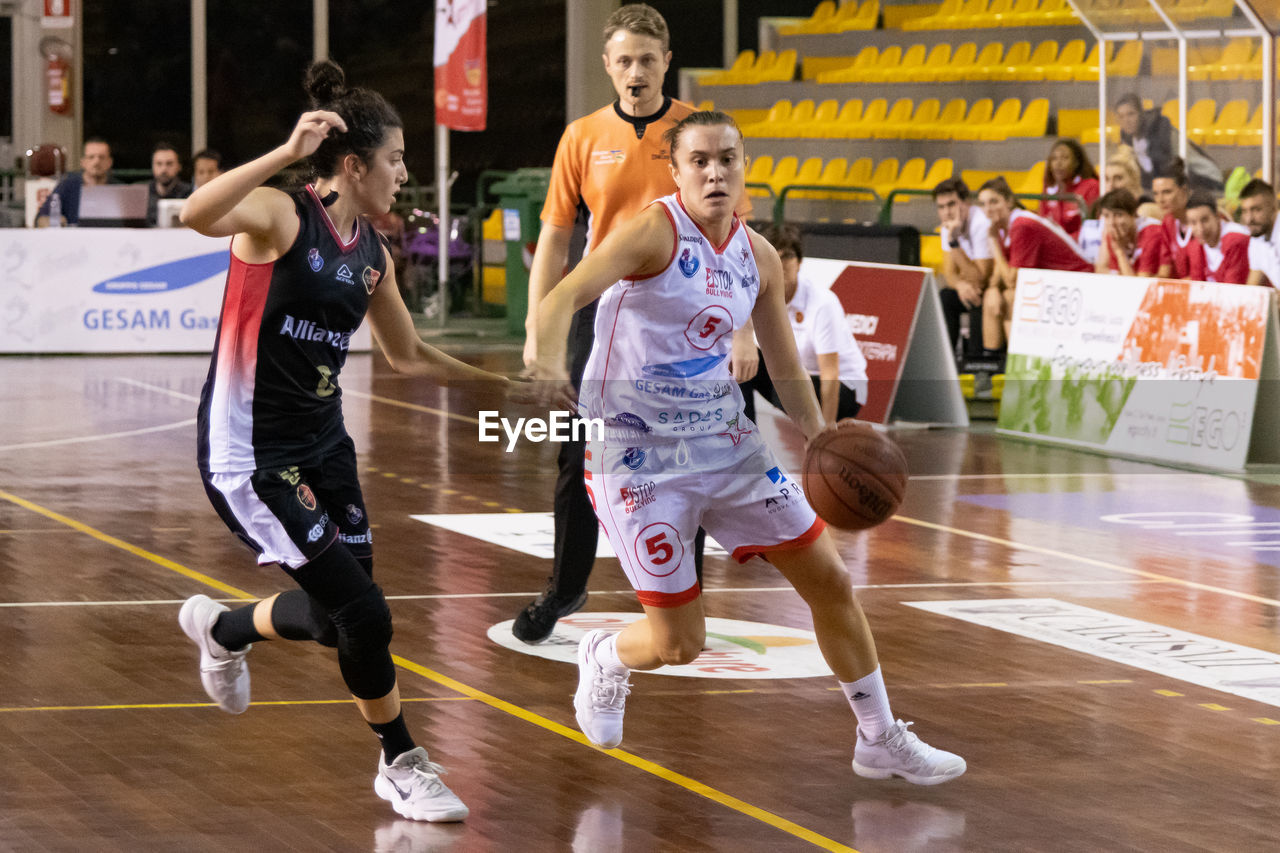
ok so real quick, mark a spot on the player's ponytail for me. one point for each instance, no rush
(367, 114)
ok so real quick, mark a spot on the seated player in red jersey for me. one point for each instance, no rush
(1068, 170)
(1218, 251)
(1131, 244)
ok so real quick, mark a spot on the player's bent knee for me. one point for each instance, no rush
(363, 625)
(681, 651)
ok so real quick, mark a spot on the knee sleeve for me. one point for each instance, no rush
(364, 635)
(297, 616)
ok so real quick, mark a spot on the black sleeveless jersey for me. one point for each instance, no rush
(272, 397)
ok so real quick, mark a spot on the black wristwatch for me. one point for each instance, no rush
(954, 243)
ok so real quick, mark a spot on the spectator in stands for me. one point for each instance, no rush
(1121, 173)
(1218, 251)
(95, 170)
(1068, 170)
(165, 180)
(966, 265)
(205, 166)
(1154, 140)
(1258, 214)
(1131, 244)
(1172, 190)
(1018, 239)
(828, 350)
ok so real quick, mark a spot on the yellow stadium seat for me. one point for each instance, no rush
(980, 112)
(1013, 15)
(784, 173)
(942, 168)
(830, 69)
(930, 22)
(740, 66)
(964, 65)
(782, 70)
(972, 14)
(912, 175)
(1019, 54)
(850, 114)
(912, 58)
(778, 114)
(759, 172)
(872, 116)
(1034, 120)
(865, 18)
(1042, 60)
(1068, 62)
(825, 11)
(939, 57)
(1200, 117)
(1006, 116)
(809, 173)
(890, 57)
(885, 175)
(1053, 12)
(815, 127)
(833, 174)
(957, 58)
(1073, 123)
(1233, 117)
(926, 115)
(801, 114)
(891, 126)
(758, 68)
(859, 173)
(706, 106)
(1251, 134)
(931, 251)
(1236, 54)
(1030, 181)
(975, 178)
(952, 114)
(1126, 62)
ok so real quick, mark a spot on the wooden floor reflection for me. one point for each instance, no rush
(109, 743)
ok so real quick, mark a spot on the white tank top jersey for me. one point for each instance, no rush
(659, 370)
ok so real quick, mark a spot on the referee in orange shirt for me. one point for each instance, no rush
(612, 162)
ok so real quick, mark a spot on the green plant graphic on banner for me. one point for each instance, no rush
(1074, 402)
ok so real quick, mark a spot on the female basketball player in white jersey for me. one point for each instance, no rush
(275, 458)
(673, 285)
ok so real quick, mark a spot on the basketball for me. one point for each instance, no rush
(854, 476)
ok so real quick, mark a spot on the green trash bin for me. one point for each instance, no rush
(520, 197)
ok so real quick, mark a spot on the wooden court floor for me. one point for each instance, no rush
(108, 742)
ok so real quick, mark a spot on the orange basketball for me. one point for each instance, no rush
(854, 476)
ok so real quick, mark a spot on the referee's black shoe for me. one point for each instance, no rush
(535, 622)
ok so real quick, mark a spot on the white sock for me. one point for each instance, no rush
(870, 704)
(606, 652)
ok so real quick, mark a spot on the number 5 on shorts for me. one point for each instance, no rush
(658, 547)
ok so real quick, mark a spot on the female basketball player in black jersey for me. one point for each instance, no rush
(273, 452)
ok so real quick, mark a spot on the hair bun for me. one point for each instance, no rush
(324, 83)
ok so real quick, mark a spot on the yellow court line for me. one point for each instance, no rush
(414, 406)
(622, 755)
(126, 546)
(1089, 561)
(661, 772)
(162, 706)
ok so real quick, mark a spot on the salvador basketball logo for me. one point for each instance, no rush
(688, 264)
(314, 259)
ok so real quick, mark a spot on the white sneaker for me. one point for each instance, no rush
(223, 673)
(412, 785)
(602, 695)
(898, 752)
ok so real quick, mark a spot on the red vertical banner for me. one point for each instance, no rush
(462, 80)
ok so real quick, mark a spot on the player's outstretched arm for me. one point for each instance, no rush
(644, 246)
(397, 338)
(236, 202)
(778, 343)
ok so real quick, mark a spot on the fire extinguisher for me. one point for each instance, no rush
(58, 75)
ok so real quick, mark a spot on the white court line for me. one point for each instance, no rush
(170, 601)
(1053, 475)
(99, 437)
(158, 389)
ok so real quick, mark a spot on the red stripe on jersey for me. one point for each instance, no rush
(746, 552)
(675, 247)
(344, 245)
(733, 229)
(231, 406)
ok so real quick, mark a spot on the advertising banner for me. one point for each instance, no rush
(462, 86)
(1165, 370)
(103, 290)
(897, 321)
